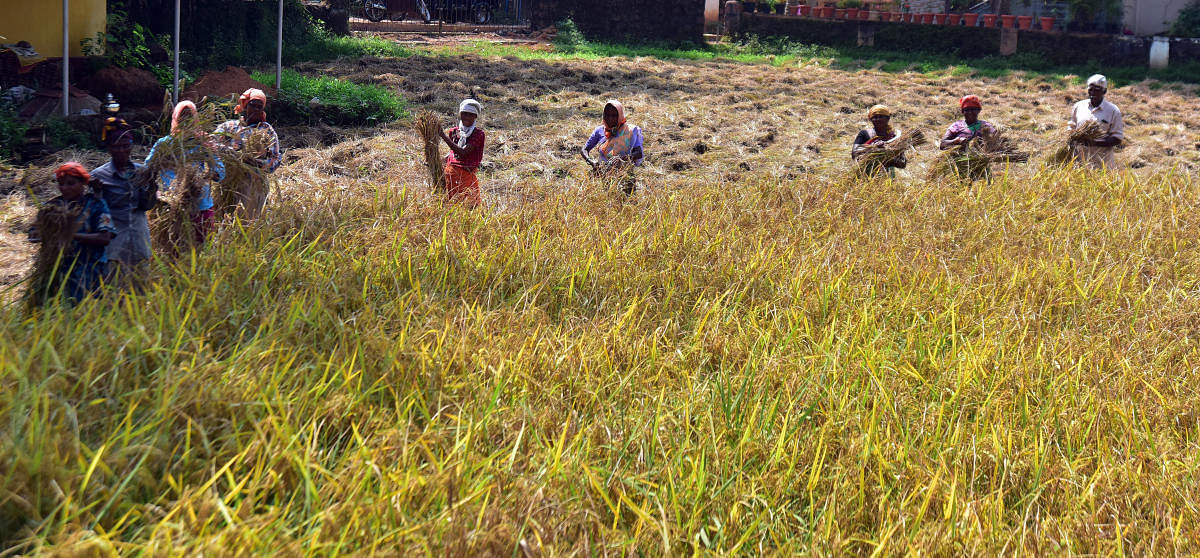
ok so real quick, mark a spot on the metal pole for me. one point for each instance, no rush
(175, 90)
(279, 51)
(66, 63)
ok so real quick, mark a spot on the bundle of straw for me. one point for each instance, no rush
(1082, 134)
(246, 183)
(55, 227)
(172, 229)
(874, 156)
(974, 160)
(428, 127)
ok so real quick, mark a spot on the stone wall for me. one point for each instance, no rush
(968, 42)
(627, 21)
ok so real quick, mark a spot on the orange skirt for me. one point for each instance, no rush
(462, 185)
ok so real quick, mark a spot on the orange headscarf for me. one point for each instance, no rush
(72, 169)
(608, 132)
(248, 96)
(178, 112)
(972, 101)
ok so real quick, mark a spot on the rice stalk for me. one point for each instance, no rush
(172, 229)
(429, 128)
(974, 160)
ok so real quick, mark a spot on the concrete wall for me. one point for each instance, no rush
(671, 21)
(969, 42)
(40, 23)
(1152, 17)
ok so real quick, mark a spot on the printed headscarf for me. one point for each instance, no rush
(618, 140)
(250, 95)
(115, 129)
(72, 169)
(970, 101)
(178, 112)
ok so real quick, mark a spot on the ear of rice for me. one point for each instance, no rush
(975, 160)
(428, 128)
(55, 225)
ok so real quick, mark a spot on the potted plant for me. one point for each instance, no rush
(1008, 21)
(748, 6)
(927, 19)
(1024, 22)
(970, 19)
(989, 20)
(940, 18)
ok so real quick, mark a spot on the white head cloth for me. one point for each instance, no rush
(464, 131)
(1098, 79)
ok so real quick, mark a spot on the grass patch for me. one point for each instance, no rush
(338, 101)
(324, 45)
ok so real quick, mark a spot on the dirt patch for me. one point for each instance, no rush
(131, 86)
(231, 81)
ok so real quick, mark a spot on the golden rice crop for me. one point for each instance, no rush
(875, 155)
(1084, 133)
(55, 227)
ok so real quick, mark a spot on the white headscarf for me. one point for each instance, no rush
(1098, 79)
(464, 131)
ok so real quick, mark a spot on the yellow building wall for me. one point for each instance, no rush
(40, 23)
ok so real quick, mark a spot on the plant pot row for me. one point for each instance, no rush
(969, 20)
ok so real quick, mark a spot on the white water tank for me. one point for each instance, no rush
(1160, 52)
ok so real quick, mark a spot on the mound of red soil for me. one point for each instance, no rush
(232, 81)
(131, 86)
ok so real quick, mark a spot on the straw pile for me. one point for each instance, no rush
(1082, 134)
(874, 156)
(974, 160)
(428, 127)
(55, 227)
(172, 229)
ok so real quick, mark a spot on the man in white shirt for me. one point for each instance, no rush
(1098, 153)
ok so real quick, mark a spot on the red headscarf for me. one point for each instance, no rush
(72, 169)
(970, 101)
(178, 112)
(248, 96)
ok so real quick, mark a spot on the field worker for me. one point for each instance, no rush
(235, 134)
(466, 152)
(127, 202)
(881, 132)
(1098, 153)
(620, 145)
(962, 132)
(82, 266)
(187, 139)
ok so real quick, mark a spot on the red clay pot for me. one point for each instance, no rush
(989, 20)
(851, 13)
(829, 12)
(1046, 23)
(885, 16)
(803, 10)
(970, 20)
(839, 13)
(1025, 22)
(927, 19)
(954, 19)
(940, 19)
(1008, 21)
(864, 14)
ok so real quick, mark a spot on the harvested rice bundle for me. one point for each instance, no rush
(1084, 133)
(874, 156)
(246, 183)
(428, 127)
(55, 227)
(172, 229)
(974, 160)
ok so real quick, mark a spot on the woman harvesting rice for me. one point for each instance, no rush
(237, 134)
(81, 263)
(127, 201)
(620, 144)
(466, 143)
(187, 140)
(961, 133)
(881, 133)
